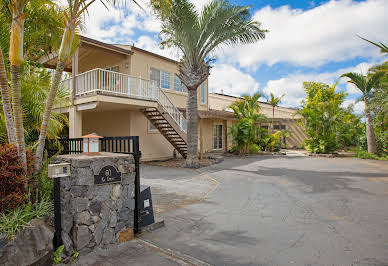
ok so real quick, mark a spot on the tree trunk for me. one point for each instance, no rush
(273, 117)
(370, 132)
(16, 59)
(192, 129)
(46, 115)
(18, 116)
(6, 102)
(63, 55)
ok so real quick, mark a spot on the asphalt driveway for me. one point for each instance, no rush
(265, 210)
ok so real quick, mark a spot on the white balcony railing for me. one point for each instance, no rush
(114, 83)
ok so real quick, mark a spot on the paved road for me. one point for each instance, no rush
(265, 210)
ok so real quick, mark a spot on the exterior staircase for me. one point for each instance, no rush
(169, 121)
(168, 127)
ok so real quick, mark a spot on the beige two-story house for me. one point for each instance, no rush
(122, 90)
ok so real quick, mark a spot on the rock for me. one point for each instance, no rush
(123, 216)
(119, 204)
(99, 232)
(81, 236)
(80, 204)
(95, 207)
(65, 183)
(116, 192)
(67, 243)
(3, 240)
(106, 210)
(92, 228)
(125, 235)
(128, 178)
(83, 218)
(113, 220)
(109, 236)
(66, 222)
(29, 246)
(95, 219)
(84, 177)
(79, 191)
(130, 204)
(129, 191)
(119, 227)
(103, 192)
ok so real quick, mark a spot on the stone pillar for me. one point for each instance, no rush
(75, 122)
(97, 215)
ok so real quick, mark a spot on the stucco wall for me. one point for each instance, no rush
(153, 145)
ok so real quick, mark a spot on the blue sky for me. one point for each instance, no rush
(307, 41)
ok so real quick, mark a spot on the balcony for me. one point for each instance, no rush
(110, 83)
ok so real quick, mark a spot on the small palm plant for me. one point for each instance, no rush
(197, 35)
(366, 85)
(274, 102)
(247, 131)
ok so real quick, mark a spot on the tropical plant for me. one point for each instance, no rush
(247, 130)
(197, 35)
(366, 85)
(35, 85)
(274, 102)
(14, 221)
(320, 113)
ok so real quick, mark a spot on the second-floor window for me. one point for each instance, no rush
(161, 78)
(178, 86)
(165, 80)
(203, 93)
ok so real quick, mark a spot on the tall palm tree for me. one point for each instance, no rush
(197, 35)
(366, 86)
(274, 102)
(16, 59)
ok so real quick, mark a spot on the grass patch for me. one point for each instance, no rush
(14, 221)
(367, 155)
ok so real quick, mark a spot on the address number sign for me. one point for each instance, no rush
(108, 174)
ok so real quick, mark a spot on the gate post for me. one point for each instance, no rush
(97, 201)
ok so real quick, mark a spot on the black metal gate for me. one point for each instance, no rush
(126, 145)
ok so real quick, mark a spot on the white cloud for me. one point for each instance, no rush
(292, 85)
(150, 44)
(358, 107)
(229, 80)
(326, 33)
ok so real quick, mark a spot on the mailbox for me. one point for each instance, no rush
(59, 170)
(146, 211)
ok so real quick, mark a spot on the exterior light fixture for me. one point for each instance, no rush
(91, 144)
(126, 65)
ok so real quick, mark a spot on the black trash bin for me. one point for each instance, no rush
(146, 212)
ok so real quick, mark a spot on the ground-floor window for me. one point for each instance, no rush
(217, 136)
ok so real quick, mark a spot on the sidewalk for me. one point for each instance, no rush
(135, 252)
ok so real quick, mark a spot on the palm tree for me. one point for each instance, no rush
(366, 86)
(197, 35)
(6, 101)
(383, 47)
(16, 59)
(274, 102)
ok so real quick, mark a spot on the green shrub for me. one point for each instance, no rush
(254, 149)
(367, 155)
(14, 221)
